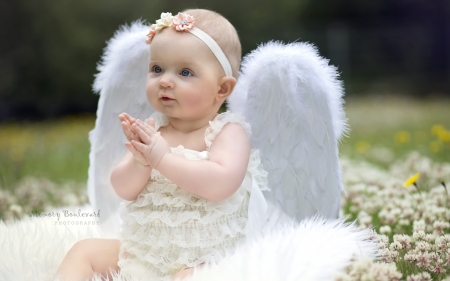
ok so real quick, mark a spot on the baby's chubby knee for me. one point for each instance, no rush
(81, 249)
(87, 248)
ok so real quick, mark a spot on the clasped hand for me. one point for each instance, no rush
(144, 142)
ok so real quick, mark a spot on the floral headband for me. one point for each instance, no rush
(186, 23)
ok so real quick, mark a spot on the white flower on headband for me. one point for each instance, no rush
(164, 21)
(181, 22)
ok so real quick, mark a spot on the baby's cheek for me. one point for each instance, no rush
(195, 101)
(151, 93)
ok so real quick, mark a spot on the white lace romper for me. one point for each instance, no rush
(168, 228)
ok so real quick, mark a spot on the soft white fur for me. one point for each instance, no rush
(316, 249)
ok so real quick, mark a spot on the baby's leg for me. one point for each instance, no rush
(89, 256)
(185, 273)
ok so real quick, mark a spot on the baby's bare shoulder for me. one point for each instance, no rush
(232, 140)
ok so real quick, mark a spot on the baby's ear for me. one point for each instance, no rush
(227, 84)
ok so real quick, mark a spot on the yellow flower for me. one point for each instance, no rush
(411, 180)
(441, 132)
(362, 147)
(436, 129)
(402, 137)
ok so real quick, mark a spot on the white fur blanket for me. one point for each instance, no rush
(32, 249)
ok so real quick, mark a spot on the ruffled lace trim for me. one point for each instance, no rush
(173, 205)
(256, 168)
(161, 120)
(188, 235)
(216, 125)
(138, 262)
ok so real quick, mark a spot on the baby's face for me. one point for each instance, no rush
(184, 76)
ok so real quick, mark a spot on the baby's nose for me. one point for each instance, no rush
(166, 82)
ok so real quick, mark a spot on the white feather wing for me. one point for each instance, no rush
(121, 84)
(293, 101)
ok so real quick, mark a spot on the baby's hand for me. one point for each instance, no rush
(127, 126)
(152, 146)
(127, 121)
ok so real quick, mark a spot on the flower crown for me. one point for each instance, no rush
(184, 22)
(181, 22)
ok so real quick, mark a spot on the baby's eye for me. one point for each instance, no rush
(185, 72)
(157, 69)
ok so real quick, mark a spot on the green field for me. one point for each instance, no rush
(44, 165)
(385, 129)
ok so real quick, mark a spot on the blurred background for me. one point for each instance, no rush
(393, 56)
(49, 49)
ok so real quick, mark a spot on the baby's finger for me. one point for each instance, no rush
(145, 138)
(128, 132)
(127, 117)
(149, 130)
(132, 149)
(142, 148)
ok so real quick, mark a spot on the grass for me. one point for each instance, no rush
(384, 129)
(57, 150)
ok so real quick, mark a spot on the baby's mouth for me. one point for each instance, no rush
(166, 99)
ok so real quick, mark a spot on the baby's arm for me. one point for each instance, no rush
(131, 175)
(218, 178)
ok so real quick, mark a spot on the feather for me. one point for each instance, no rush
(121, 84)
(293, 101)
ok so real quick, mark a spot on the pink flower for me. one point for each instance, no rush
(183, 22)
(150, 35)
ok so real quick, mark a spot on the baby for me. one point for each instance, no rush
(188, 172)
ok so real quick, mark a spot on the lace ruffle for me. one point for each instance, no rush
(186, 235)
(160, 120)
(173, 205)
(221, 120)
(255, 167)
(165, 262)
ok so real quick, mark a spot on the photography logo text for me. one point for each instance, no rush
(66, 217)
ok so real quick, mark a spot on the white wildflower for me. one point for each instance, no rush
(418, 225)
(70, 199)
(390, 218)
(423, 246)
(393, 254)
(410, 257)
(429, 237)
(385, 229)
(423, 276)
(408, 213)
(383, 239)
(384, 255)
(440, 226)
(404, 222)
(365, 222)
(404, 240)
(396, 246)
(16, 210)
(442, 243)
(423, 260)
